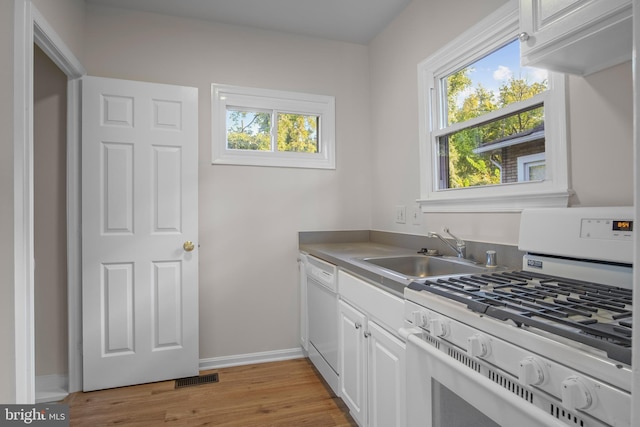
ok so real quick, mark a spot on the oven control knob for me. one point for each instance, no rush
(437, 328)
(478, 346)
(531, 371)
(419, 319)
(576, 394)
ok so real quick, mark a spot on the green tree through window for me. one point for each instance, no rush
(248, 130)
(251, 130)
(297, 132)
(463, 163)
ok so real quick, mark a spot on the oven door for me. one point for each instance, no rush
(443, 392)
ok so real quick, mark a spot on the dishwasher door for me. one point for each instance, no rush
(323, 321)
(322, 309)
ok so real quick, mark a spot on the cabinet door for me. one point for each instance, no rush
(538, 17)
(575, 36)
(352, 362)
(386, 375)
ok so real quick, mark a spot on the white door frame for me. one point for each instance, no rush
(29, 27)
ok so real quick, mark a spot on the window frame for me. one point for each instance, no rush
(495, 31)
(526, 162)
(276, 101)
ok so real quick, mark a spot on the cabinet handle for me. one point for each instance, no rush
(367, 334)
(358, 325)
(523, 37)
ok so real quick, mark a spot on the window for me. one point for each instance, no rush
(492, 133)
(531, 167)
(263, 127)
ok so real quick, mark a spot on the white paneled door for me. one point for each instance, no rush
(139, 232)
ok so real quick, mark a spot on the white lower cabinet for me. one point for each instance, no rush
(352, 360)
(386, 378)
(371, 360)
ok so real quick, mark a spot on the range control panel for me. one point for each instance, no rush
(593, 233)
(597, 228)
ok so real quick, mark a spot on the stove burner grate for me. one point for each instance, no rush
(590, 313)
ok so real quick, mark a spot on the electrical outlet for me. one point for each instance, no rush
(416, 215)
(401, 214)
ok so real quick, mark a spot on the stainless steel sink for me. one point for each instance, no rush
(421, 266)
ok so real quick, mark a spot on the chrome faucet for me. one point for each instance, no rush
(460, 248)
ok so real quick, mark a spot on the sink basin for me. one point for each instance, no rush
(422, 266)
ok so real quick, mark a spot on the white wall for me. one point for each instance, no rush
(67, 19)
(601, 117)
(250, 216)
(600, 125)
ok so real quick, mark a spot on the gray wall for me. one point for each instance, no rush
(7, 363)
(50, 216)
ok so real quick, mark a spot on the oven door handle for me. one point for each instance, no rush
(405, 332)
(477, 386)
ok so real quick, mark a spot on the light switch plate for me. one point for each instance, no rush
(416, 215)
(401, 214)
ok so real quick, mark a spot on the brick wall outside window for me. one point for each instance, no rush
(510, 158)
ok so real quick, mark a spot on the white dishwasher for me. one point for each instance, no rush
(322, 308)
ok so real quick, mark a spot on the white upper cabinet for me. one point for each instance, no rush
(575, 36)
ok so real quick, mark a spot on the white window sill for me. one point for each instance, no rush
(281, 160)
(496, 203)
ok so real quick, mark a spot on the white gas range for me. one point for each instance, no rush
(546, 345)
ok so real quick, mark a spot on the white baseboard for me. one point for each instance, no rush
(51, 388)
(248, 359)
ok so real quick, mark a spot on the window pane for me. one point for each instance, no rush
(536, 172)
(488, 154)
(297, 132)
(248, 130)
(490, 83)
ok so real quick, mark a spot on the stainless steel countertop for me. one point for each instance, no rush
(348, 256)
(346, 249)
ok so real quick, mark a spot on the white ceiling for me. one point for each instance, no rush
(356, 21)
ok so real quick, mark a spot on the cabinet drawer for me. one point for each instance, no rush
(385, 308)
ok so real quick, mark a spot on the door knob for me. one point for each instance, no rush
(188, 246)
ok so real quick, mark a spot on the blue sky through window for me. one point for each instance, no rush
(498, 67)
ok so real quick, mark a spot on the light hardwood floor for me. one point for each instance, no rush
(288, 393)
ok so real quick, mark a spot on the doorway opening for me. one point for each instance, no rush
(50, 229)
(30, 27)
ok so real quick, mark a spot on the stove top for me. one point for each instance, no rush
(596, 315)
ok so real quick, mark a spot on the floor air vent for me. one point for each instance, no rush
(201, 379)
